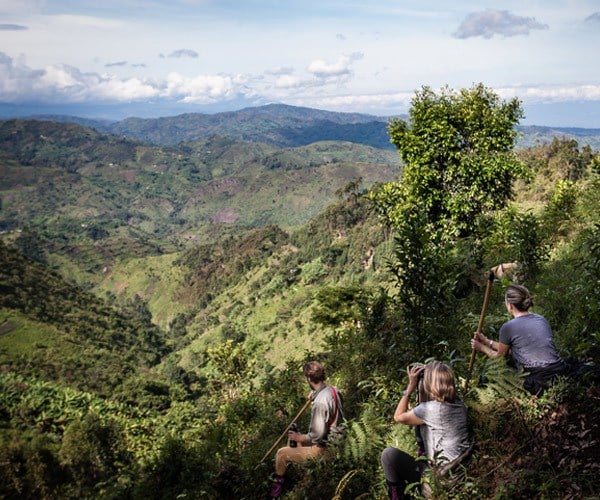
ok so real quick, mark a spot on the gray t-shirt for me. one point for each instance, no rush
(445, 433)
(326, 415)
(530, 340)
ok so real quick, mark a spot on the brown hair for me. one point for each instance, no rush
(314, 371)
(438, 383)
(519, 296)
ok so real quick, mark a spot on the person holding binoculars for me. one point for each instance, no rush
(441, 418)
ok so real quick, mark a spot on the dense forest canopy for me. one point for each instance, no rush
(141, 362)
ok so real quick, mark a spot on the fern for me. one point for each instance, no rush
(364, 438)
(498, 381)
(491, 401)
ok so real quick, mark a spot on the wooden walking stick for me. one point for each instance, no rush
(285, 431)
(486, 300)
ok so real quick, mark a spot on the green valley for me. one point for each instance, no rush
(162, 282)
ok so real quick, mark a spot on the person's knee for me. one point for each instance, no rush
(386, 455)
(280, 461)
(281, 457)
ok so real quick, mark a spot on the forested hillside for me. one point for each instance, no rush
(150, 349)
(82, 200)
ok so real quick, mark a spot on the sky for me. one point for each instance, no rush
(150, 58)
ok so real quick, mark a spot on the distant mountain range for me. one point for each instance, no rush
(281, 125)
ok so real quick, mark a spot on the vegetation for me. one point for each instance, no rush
(171, 372)
(83, 200)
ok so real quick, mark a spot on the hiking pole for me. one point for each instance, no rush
(506, 270)
(486, 300)
(285, 431)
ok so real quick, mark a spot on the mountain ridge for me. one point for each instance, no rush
(283, 125)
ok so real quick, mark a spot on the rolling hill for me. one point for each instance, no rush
(291, 126)
(89, 198)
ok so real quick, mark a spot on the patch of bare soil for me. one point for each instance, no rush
(226, 215)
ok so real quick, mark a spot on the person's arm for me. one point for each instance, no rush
(402, 415)
(297, 436)
(318, 427)
(489, 347)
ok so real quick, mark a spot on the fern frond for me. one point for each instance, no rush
(364, 437)
(498, 382)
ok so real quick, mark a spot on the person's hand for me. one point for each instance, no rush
(476, 345)
(413, 372)
(480, 337)
(294, 436)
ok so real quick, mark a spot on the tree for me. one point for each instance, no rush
(457, 149)
(93, 450)
(29, 244)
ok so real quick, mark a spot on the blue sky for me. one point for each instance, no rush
(122, 58)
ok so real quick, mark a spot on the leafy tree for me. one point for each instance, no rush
(93, 450)
(457, 150)
(231, 366)
(338, 305)
(567, 160)
(350, 190)
(180, 469)
(29, 244)
(459, 165)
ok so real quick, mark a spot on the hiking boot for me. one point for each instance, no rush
(277, 487)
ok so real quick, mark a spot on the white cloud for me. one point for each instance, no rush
(496, 22)
(62, 83)
(203, 88)
(390, 101)
(289, 82)
(550, 94)
(340, 68)
(131, 89)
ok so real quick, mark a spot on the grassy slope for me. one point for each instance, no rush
(57, 331)
(19, 335)
(154, 279)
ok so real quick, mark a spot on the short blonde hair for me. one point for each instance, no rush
(438, 383)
